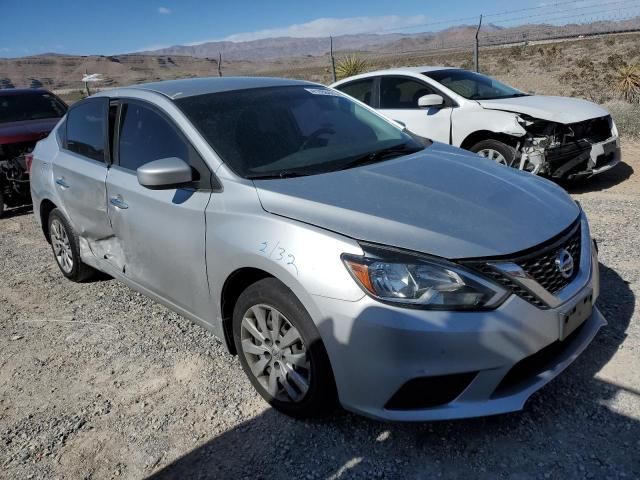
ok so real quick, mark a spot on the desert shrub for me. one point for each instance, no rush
(609, 42)
(615, 61)
(627, 83)
(584, 62)
(590, 81)
(517, 51)
(349, 66)
(626, 116)
(504, 64)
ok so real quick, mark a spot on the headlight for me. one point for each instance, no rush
(420, 282)
(614, 128)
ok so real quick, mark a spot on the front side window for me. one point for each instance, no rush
(146, 136)
(293, 130)
(30, 106)
(402, 92)
(472, 85)
(86, 128)
(360, 90)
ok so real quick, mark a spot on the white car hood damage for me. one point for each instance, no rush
(556, 109)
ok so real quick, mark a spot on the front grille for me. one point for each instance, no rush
(595, 130)
(539, 263)
(425, 392)
(543, 267)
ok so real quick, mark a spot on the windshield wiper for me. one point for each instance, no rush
(282, 174)
(385, 153)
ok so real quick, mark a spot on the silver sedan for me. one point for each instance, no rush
(342, 258)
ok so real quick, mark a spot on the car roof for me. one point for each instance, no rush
(189, 87)
(398, 71)
(424, 68)
(22, 91)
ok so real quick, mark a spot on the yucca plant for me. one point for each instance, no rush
(627, 83)
(350, 65)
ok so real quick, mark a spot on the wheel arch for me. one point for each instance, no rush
(481, 135)
(234, 285)
(46, 207)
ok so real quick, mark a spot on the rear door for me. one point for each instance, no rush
(399, 101)
(80, 170)
(160, 233)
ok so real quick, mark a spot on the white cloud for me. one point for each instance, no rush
(164, 10)
(323, 27)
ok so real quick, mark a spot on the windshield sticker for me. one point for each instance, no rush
(322, 91)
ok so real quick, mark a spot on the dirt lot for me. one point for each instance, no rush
(98, 382)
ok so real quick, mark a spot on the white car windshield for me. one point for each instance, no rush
(287, 131)
(472, 85)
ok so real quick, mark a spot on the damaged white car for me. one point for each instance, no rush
(559, 137)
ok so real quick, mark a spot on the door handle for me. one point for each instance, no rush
(117, 202)
(60, 181)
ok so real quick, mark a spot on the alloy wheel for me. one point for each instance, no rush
(494, 155)
(61, 246)
(276, 353)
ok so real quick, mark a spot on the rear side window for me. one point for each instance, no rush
(402, 92)
(86, 129)
(360, 90)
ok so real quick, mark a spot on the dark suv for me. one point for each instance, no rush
(26, 116)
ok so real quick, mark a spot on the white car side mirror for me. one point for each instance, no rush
(430, 100)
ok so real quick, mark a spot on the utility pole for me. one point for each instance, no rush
(219, 64)
(475, 50)
(333, 62)
(86, 83)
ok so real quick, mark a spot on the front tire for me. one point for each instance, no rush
(66, 248)
(281, 351)
(497, 151)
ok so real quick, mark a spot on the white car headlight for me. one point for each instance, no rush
(422, 282)
(614, 129)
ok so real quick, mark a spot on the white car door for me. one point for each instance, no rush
(399, 101)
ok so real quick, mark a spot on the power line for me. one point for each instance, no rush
(527, 17)
(494, 14)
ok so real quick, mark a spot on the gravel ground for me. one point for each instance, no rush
(96, 381)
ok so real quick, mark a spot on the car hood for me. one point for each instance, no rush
(555, 109)
(441, 201)
(26, 130)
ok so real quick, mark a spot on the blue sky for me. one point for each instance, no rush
(118, 26)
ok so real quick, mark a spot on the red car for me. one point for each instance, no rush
(27, 115)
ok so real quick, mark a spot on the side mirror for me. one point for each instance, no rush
(164, 173)
(431, 100)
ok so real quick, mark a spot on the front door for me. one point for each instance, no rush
(80, 171)
(399, 101)
(161, 232)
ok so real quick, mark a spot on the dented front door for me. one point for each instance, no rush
(160, 234)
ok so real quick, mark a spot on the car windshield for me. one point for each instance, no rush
(285, 131)
(473, 85)
(30, 106)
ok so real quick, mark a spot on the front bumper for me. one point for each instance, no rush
(376, 349)
(582, 160)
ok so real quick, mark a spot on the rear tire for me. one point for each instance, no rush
(66, 248)
(281, 352)
(1, 202)
(497, 151)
